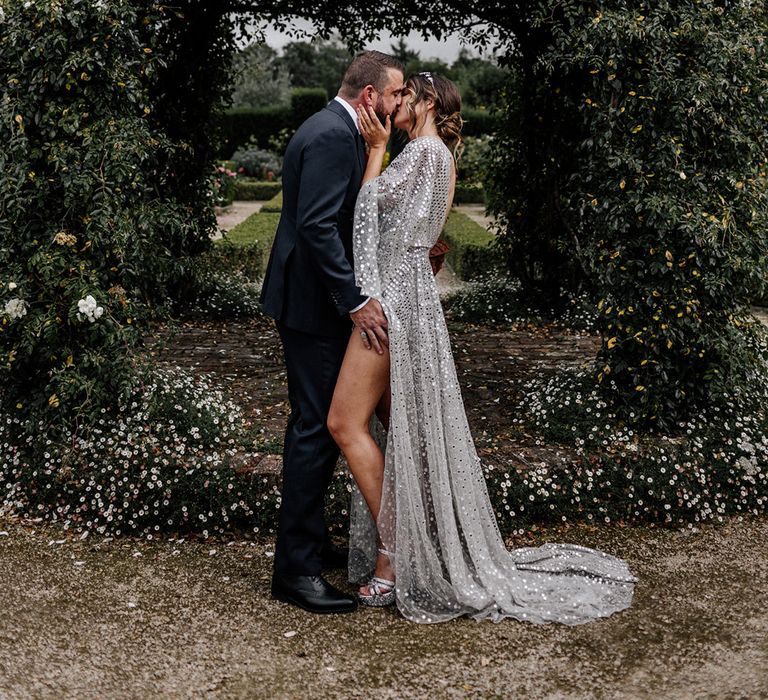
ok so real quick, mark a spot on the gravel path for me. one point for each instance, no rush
(123, 618)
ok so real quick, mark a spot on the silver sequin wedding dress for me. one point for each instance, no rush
(436, 517)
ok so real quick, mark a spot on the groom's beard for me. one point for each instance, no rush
(382, 113)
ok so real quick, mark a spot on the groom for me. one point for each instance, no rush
(310, 291)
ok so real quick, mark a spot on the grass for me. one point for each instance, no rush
(471, 254)
(257, 228)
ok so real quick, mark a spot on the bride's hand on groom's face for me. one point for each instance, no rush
(374, 132)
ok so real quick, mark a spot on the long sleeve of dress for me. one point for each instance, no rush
(423, 171)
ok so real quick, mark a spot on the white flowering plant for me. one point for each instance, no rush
(224, 282)
(168, 460)
(708, 468)
(88, 232)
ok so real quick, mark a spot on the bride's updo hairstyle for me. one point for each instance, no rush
(447, 101)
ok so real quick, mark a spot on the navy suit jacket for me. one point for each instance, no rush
(310, 284)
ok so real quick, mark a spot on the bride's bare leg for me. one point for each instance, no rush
(361, 389)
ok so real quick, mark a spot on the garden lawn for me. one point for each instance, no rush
(472, 252)
(257, 228)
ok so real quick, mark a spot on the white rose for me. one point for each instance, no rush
(89, 308)
(12, 285)
(15, 308)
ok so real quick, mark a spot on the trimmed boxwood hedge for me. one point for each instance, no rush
(242, 124)
(472, 252)
(469, 194)
(274, 205)
(478, 122)
(257, 228)
(250, 190)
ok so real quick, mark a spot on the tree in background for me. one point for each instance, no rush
(402, 53)
(261, 79)
(316, 64)
(481, 82)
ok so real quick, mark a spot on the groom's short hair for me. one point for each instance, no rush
(368, 68)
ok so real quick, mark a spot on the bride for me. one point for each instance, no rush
(422, 521)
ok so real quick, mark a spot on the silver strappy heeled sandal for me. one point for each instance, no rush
(382, 591)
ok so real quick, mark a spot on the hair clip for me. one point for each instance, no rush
(428, 76)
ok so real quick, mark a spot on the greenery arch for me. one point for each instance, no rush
(108, 119)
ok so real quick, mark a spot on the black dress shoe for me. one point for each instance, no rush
(311, 593)
(335, 557)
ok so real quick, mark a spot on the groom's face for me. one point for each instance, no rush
(388, 100)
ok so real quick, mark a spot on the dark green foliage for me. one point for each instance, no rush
(633, 160)
(469, 193)
(222, 282)
(265, 125)
(238, 126)
(80, 211)
(472, 250)
(479, 122)
(490, 298)
(250, 190)
(274, 205)
(473, 163)
(480, 81)
(305, 102)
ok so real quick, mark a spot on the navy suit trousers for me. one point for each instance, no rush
(310, 453)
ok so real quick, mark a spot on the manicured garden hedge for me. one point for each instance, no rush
(259, 227)
(274, 205)
(472, 252)
(469, 194)
(250, 190)
(478, 122)
(240, 125)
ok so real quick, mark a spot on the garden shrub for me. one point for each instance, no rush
(84, 211)
(473, 163)
(257, 228)
(478, 122)
(224, 186)
(269, 127)
(472, 247)
(257, 162)
(274, 205)
(639, 174)
(305, 102)
(240, 125)
(167, 461)
(496, 299)
(251, 190)
(469, 194)
(224, 282)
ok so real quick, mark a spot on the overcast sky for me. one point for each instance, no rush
(446, 49)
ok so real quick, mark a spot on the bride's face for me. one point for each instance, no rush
(403, 115)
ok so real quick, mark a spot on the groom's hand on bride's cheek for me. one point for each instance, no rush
(372, 321)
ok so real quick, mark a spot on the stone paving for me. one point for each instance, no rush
(235, 213)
